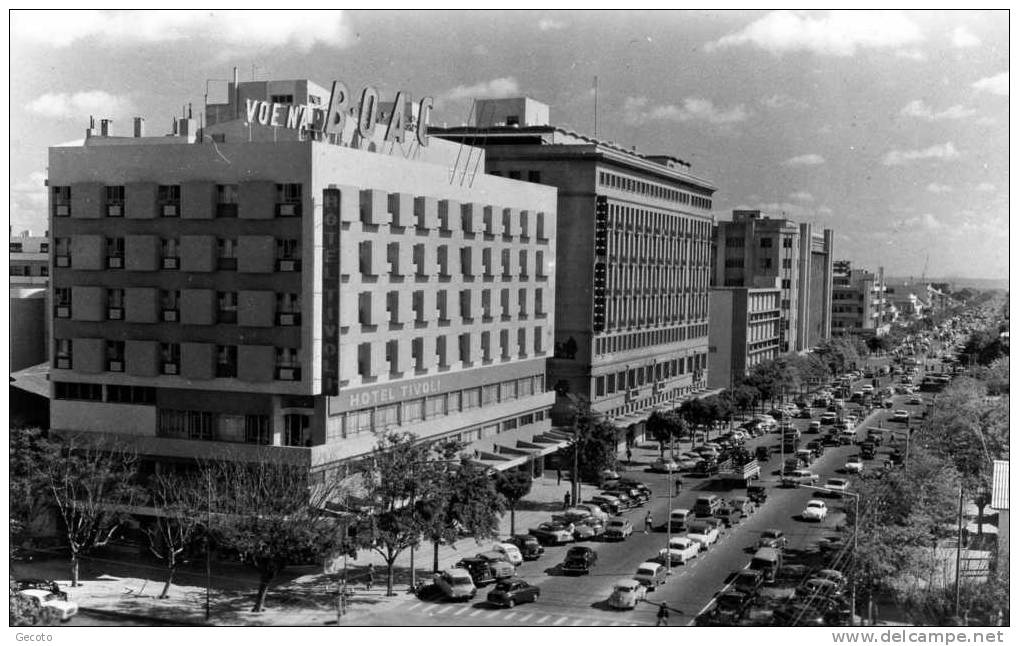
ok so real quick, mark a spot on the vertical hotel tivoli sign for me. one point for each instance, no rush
(331, 292)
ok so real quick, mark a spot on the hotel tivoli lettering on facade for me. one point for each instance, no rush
(331, 291)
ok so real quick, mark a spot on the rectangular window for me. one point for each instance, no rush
(62, 302)
(490, 394)
(385, 417)
(534, 176)
(227, 310)
(599, 386)
(170, 253)
(787, 263)
(288, 200)
(281, 98)
(130, 394)
(168, 200)
(115, 304)
(169, 354)
(169, 302)
(471, 398)
(257, 429)
(435, 406)
(114, 253)
(62, 352)
(226, 249)
(786, 283)
(413, 411)
(114, 201)
(115, 356)
(295, 430)
(226, 361)
(61, 201)
(226, 200)
(62, 252)
(83, 392)
(288, 364)
(288, 254)
(787, 243)
(766, 243)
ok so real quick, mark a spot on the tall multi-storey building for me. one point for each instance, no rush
(632, 270)
(264, 287)
(755, 251)
(745, 331)
(859, 305)
(29, 278)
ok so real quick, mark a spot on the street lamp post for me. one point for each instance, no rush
(668, 527)
(856, 527)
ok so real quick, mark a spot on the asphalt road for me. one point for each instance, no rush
(582, 600)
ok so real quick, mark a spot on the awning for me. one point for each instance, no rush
(34, 379)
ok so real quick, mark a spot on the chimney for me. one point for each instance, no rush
(104, 127)
(139, 127)
(236, 97)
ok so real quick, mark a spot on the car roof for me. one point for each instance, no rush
(456, 571)
(35, 592)
(815, 501)
(627, 583)
(651, 565)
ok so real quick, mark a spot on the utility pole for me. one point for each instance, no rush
(208, 556)
(668, 527)
(958, 556)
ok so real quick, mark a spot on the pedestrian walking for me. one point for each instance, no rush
(679, 486)
(648, 521)
(566, 500)
(663, 615)
(371, 577)
(629, 455)
(558, 476)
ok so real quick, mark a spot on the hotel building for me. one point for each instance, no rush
(632, 271)
(755, 251)
(259, 284)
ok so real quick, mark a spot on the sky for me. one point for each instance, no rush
(891, 128)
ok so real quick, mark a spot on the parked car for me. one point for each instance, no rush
(702, 533)
(609, 504)
(900, 416)
(571, 515)
(680, 550)
(41, 584)
(828, 418)
(510, 551)
(728, 609)
(642, 489)
(588, 528)
(916, 400)
(484, 570)
(664, 465)
(818, 587)
(530, 547)
(594, 510)
(742, 503)
(626, 594)
(762, 453)
(757, 493)
(651, 574)
(510, 592)
(552, 533)
(618, 529)
(815, 510)
(814, 426)
(579, 560)
(44, 598)
(773, 538)
(626, 501)
(455, 584)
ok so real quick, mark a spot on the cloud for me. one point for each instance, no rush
(941, 152)
(911, 54)
(802, 196)
(638, 110)
(839, 33)
(997, 84)
(811, 159)
(921, 110)
(962, 38)
(548, 24)
(984, 187)
(28, 202)
(499, 88)
(824, 210)
(784, 101)
(934, 187)
(62, 105)
(925, 221)
(232, 29)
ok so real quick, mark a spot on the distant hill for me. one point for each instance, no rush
(957, 283)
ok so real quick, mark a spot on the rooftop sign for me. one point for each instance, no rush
(332, 119)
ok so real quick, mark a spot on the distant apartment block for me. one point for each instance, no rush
(746, 325)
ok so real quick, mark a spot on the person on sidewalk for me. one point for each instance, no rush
(679, 486)
(567, 499)
(663, 615)
(371, 577)
(558, 476)
(648, 521)
(629, 455)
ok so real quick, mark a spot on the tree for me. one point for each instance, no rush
(179, 502)
(271, 515)
(597, 443)
(458, 497)
(879, 343)
(92, 486)
(665, 427)
(392, 483)
(30, 451)
(513, 485)
(697, 413)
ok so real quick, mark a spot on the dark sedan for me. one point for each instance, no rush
(529, 546)
(579, 560)
(512, 591)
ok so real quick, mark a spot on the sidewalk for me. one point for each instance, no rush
(306, 597)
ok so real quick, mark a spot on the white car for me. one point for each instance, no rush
(456, 584)
(815, 510)
(900, 416)
(48, 599)
(626, 594)
(680, 550)
(703, 534)
(916, 400)
(687, 464)
(854, 465)
(837, 486)
(664, 464)
(510, 551)
(594, 510)
(867, 389)
(618, 528)
(828, 418)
